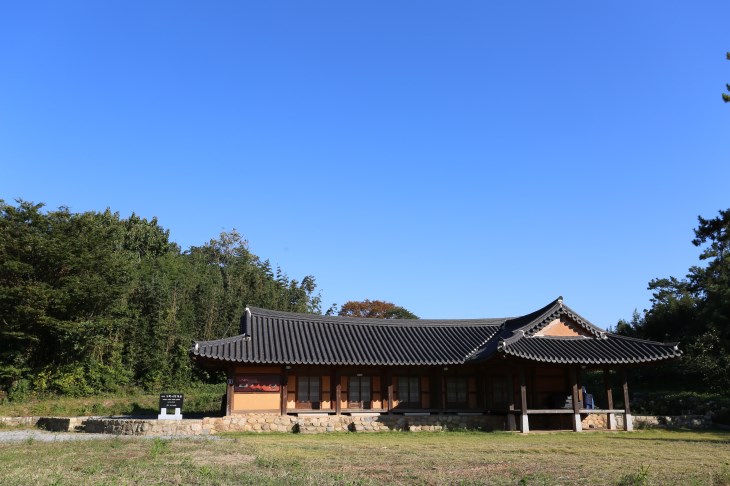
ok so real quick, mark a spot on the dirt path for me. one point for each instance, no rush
(43, 436)
(9, 436)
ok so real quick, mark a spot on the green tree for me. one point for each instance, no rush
(375, 309)
(696, 309)
(90, 301)
(726, 96)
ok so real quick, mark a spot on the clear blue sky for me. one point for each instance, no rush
(461, 159)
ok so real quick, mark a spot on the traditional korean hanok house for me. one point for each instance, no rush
(525, 369)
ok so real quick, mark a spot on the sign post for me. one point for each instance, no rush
(170, 400)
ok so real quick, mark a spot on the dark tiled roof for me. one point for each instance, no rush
(274, 337)
(610, 349)
(518, 338)
(535, 321)
(289, 338)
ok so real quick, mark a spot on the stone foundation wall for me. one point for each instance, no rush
(312, 424)
(598, 421)
(670, 422)
(18, 421)
(121, 426)
(303, 424)
(595, 421)
(62, 424)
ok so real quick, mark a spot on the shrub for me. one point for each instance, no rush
(722, 417)
(640, 478)
(20, 391)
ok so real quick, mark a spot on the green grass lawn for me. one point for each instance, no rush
(653, 457)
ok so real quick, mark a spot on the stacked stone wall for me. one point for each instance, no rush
(62, 424)
(595, 421)
(673, 421)
(19, 421)
(321, 423)
(260, 423)
(144, 426)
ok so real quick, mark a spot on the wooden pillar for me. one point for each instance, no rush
(524, 423)
(442, 389)
(338, 393)
(628, 420)
(511, 425)
(389, 389)
(577, 425)
(610, 416)
(229, 392)
(284, 392)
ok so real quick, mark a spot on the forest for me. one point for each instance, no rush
(94, 303)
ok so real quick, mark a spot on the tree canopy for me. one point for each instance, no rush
(726, 96)
(90, 302)
(375, 309)
(695, 310)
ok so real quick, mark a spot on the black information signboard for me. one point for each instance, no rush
(171, 400)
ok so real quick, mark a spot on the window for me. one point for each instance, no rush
(409, 391)
(358, 391)
(308, 390)
(456, 392)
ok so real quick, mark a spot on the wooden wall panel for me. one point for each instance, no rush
(245, 402)
(326, 403)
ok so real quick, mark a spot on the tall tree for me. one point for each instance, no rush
(696, 309)
(726, 96)
(375, 309)
(91, 301)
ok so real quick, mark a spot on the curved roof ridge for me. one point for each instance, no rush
(534, 321)
(479, 347)
(629, 338)
(220, 341)
(564, 338)
(526, 320)
(369, 321)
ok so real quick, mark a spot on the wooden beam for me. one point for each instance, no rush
(338, 393)
(511, 425)
(578, 376)
(389, 390)
(627, 407)
(229, 392)
(607, 386)
(333, 391)
(628, 420)
(610, 416)
(574, 389)
(523, 391)
(284, 392)
(442, 389)
(577, 425)
(524, 424)
(510, 391)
